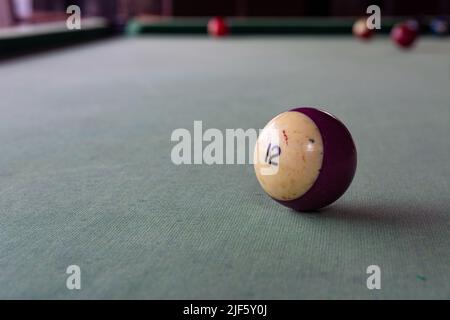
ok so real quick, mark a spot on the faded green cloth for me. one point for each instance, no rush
(86, 176)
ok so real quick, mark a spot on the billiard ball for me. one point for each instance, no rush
(439, 26)
(403, 35)
(217, 27)
(305, 159)
(361, 30)
(413, 24)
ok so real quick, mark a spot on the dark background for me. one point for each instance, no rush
(50, 10)
(262, 7)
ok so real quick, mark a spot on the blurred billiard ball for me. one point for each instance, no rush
(361, 31)
(439, 26)
(403, 35)
(305, 159)
(413, 24)
(217, 27)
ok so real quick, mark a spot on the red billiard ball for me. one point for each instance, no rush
(361, 30)
(218, 27)
(305, 159)
(403, 35)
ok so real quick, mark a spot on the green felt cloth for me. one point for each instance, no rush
(86, 176)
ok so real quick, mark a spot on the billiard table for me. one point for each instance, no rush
(86, 176)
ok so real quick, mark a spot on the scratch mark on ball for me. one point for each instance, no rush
(285, 137)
